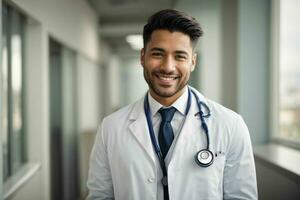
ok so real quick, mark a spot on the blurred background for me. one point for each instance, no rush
(65, 64)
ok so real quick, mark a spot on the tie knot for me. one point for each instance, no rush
(167, 114)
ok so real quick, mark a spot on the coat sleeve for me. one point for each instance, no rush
(239, 173)
(99, 179)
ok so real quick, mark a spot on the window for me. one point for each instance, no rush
(12, 99)
(288, 75)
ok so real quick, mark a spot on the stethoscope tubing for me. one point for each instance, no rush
(202, 116)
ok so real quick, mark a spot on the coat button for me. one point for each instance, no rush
(151, 180)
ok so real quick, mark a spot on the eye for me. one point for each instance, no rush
(157, 54)
(180, 57)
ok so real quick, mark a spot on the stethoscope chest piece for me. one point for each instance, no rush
(204, 158)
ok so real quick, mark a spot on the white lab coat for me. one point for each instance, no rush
(123, 163)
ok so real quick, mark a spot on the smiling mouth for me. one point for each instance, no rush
(165, 77)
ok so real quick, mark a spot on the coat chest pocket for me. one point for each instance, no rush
(210, 179)
(194, 182)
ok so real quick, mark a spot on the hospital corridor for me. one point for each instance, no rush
(67, 64)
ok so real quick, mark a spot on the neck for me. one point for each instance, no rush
(167, 101)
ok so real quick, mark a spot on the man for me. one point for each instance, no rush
(173, 143)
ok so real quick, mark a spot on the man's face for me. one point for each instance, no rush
(168, 61)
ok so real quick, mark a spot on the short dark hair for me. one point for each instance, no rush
(172, 20)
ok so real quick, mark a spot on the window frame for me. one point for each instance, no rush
(14, 14)
(1, 159)
(27, 167)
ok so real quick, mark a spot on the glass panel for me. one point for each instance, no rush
(289, 69)
(4, 84)
(56, 120)
(16, 84)
(70, 162)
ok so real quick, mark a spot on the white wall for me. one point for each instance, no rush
(112, 83)
(229, 54)
(74, 24)
(253, 66)
(89, 108)
(133, 85)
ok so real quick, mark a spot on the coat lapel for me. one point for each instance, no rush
(139, 128)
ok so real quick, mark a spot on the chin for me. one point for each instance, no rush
(165, 92)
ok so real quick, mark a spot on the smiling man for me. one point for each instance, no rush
(173, 143)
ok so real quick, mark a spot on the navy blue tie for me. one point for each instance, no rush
(166, 135)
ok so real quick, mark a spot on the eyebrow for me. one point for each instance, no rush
(181, 52)
(162, 50)
(157, 49)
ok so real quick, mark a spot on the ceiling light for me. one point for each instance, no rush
(135, 41)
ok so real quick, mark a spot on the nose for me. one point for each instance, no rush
(169, 64)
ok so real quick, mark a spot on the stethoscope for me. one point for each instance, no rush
(204, 157)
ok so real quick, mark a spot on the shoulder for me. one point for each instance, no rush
(115, 125)
(234, 129)
(228, 120)
(220, 112)
(123, 115)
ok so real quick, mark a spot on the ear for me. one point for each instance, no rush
(194, 61)
(142, 57)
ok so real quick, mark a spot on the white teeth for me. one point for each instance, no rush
(166, 78)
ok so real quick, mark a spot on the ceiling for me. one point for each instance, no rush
(119, 18)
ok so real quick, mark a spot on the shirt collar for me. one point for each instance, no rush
(180, 104)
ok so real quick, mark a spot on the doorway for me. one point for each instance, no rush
(63, 123)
